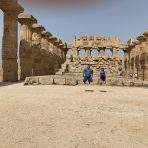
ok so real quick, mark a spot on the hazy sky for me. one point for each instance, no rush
(124, 18)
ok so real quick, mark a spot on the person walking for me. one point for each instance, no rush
(88, 75)
(102, 76)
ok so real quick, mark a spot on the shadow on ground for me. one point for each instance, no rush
(2, 84)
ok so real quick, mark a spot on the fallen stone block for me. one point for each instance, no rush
(138, 84)
(71, 81)
(46, 80)
(59, 81)
(32, 81)
(27, 80)
(145, 84)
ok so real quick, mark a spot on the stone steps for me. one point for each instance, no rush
(62, 70)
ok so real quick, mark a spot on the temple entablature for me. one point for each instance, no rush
(96, 42)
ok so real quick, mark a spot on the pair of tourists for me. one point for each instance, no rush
(88, 75)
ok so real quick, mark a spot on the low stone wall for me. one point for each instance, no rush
(126, 82)
(69, 80)
(51, 80)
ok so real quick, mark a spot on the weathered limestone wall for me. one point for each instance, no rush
(112, 64)
(137, 57)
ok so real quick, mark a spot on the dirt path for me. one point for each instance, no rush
(69, 117)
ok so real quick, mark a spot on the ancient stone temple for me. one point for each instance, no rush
(76, 63)
(42, 54)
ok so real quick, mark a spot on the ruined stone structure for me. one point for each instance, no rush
(39, 53)
(76, 63)
(39, 49)
(136, 57)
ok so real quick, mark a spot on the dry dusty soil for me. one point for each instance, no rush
(70, 117)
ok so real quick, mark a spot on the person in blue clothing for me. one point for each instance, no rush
(102, 76)
(88, 75)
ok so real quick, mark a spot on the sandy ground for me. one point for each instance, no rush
(69, 117)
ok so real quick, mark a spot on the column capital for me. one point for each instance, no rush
(52, 39)
(11, 5)
(37, 34)
(38, 27)
(27, 18)
(141, 38)
(46, 34)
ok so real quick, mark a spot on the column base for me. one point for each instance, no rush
(25, 68)
(10, 70)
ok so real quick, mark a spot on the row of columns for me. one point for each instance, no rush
(136, 57)
(100, 50)
(40, 52)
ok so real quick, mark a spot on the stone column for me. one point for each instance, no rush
(65, 51)
(115, 52)
(53, 58)
(45, 53)
(87, 52)
(57, 59)
(25, 53)
(51, 43)
(64, 54)
(36, 50)
(10, 40)
(61, 46)
(142, 54)
(102, 51)
(146, 52)
(132, 61)
(75, 52)
(125, 61)
(128, 60)
(56, 48)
